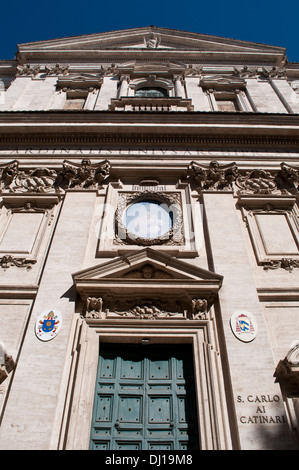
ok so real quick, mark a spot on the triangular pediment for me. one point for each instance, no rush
(146, 272)
(148, 38)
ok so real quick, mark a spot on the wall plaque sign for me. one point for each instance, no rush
(243, 325)
(48, 325)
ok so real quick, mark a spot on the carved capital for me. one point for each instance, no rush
(27, 70)
(213, 176)
(57, 69)
(82, 176)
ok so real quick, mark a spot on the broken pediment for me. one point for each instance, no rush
(147, 278)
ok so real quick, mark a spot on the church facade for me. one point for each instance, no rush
(149, 233)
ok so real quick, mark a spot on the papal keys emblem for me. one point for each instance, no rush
(244, 326)
(48, 325)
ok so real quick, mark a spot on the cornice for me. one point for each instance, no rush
(145, 139)
(171, 128)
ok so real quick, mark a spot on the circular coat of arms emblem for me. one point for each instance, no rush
(244, 326)
(48, 325)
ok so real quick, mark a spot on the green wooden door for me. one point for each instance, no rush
(144, 398)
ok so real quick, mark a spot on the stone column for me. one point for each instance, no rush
(124, 83)
(179, 86)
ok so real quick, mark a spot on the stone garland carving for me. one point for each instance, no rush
(216, 177)
(44, 180)
(15, 180)
(7, 261)
(257, 182)
(285, 263)
(146, 310)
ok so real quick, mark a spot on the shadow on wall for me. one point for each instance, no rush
(271, 430)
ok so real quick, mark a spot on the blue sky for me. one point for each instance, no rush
(262, 21)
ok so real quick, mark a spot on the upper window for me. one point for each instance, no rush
(75, 100)
(227, 103)
(226, 93)
(151, 92)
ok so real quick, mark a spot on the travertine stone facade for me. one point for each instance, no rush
(149, 194)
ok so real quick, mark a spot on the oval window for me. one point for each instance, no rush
(148, 219)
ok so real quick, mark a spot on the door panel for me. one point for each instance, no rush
(144, 399)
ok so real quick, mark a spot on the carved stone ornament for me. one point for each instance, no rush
(82, 176)
(57, 69)
(257, 182)
(45, 180)
(39, 180)
(94, 306)
(145, 309)
(245, 71)
(7, 261)
(287, 372)
(7, 363)
(274, 72)
(199, 309)
(213, 176)
(148, 272)
(27, 70)
(285, 263)
(152, 41)
(287, 179)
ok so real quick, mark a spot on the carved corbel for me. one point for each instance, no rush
(199, 309)
(287, 179)
(82, 176)
(274, 72)
(94, 308)
(27, 70)
(287, 372)
(245, 71)
(57, 69)
(213, 176)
